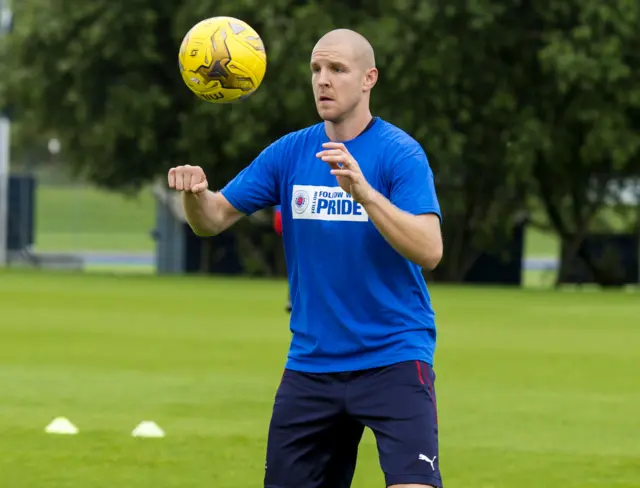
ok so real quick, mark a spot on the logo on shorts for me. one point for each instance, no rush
(300, 201)
(424, 458)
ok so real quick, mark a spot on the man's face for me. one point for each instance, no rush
(337, 82)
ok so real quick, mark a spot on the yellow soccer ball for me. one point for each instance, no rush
(222, 60)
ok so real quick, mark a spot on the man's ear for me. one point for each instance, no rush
(370, 79)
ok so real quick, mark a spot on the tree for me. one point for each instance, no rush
(447, 77)
(111, 90)
(508, 98)
(581, 127)
(114, 96)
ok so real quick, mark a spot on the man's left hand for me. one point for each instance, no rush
(347, 171)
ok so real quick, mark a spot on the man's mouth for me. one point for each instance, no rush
(325, 99)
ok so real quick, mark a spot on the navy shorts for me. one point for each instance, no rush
(318, 421)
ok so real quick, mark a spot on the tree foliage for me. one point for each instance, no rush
(511, 100)
(581, 131)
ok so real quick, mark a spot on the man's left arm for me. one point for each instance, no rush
(410, 218)
(417, 237)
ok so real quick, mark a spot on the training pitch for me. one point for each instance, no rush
(535, 388)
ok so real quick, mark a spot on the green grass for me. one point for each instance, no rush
(535, 388)
(541, 244)
(83, 218)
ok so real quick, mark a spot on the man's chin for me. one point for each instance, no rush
(329, 115)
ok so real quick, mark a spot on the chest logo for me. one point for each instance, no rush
(325, 203)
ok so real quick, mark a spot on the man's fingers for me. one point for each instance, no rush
(334, 159)
(347, 173)
(186, 181)
(187, 178)
(338, 156)
(336, 149)
(341, 162)
(332, 153)
(351, 163)
(200, 187)
(335, 145)
(179, 181)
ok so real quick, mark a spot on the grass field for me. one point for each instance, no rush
(83, 218)
(535, 388)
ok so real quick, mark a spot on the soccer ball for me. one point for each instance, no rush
(222, 60)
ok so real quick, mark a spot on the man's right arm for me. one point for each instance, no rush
(208, 213)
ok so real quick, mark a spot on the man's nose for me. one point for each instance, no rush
(322, 79)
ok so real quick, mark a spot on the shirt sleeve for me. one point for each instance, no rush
(258, 185)
(412, 185)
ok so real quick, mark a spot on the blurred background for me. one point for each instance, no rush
(112, 312)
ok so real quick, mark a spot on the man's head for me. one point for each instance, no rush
(343, 73)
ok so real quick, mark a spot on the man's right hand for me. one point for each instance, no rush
(189, 179)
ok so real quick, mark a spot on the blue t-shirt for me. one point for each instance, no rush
(357, 303)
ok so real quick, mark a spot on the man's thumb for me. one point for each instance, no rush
(200, 187)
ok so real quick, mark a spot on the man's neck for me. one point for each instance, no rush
(349, 128)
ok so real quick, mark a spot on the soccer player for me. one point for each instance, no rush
(277, 226)
(361, 218)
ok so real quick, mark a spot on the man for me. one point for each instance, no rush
(277, 226)
(360, 218)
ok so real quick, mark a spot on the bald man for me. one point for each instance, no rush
(360, 219)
